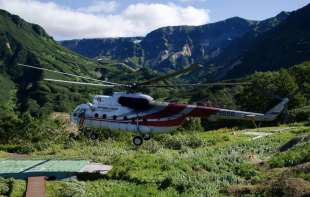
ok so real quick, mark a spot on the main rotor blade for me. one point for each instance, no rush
(170, 75)
(80, 83)
(69, 74)
(197, 85)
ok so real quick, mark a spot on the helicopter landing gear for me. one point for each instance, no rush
(137, 140)
(146, 137)
(93, 136)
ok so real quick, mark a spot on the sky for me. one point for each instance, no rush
(75, 19)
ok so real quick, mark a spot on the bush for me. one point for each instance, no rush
(299, 115)
(72, 189)
(245, 170)
(194, 142)
(174, 143)
(152, 146)
(21, 149)
(4, 187)
(165, 183)
(192, 124)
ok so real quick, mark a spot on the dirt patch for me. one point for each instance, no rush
(293, 187)
(17, 155)
(65, 119)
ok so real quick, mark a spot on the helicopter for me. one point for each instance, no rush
(140, 113)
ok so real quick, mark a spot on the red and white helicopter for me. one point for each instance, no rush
(140, 113)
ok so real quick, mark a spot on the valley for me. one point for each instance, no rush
(201, 158)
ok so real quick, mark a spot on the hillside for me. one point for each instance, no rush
(26, 43)
(281, 47)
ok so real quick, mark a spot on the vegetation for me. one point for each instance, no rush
(185, 163)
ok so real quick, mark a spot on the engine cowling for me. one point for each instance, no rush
(134, 103)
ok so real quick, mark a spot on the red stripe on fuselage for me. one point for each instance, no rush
(201, 111)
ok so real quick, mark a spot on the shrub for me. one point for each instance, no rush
(21, 149)
(298, 115)
(174, 143)
(192, 124)
(211, 142)
(194, 141)
(245, 170)
(4, 187)
(72, 189)
(165, 183)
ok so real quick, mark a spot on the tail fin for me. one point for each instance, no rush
(276, 110)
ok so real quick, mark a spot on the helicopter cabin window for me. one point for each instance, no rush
(104, 116)
(125, 118)
(114, 117)
(96, 115)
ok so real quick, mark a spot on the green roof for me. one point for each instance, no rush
(27, 166)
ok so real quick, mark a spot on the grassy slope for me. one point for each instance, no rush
(44, 47)
(7, 93)
(195, 163)
(22, 42)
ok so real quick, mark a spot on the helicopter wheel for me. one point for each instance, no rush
(93, 136)
(137, 140)
(147, 137)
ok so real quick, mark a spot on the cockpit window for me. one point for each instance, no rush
(78, 109)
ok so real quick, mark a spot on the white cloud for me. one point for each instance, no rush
(192, 1)
(135, 20)
(99, 7)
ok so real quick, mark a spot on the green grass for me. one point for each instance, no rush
(18, 188)
(169, 164)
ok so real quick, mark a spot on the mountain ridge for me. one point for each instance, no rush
(166, 48)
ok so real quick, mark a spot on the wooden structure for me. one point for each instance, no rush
(36, 186)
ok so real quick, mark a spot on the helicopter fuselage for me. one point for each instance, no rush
(138, 112)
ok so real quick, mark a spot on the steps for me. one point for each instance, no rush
(36, 186)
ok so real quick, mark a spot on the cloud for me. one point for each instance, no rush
(135, 20)
(99, 7)
(192, 1)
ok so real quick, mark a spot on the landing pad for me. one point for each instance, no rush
(58, 169)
